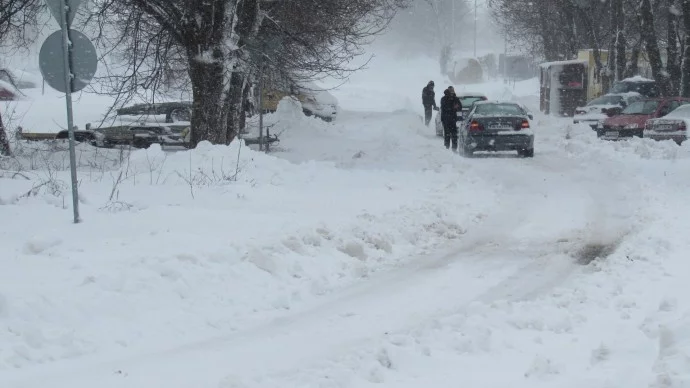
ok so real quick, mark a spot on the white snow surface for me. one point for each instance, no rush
(358, 253)
(637, 78)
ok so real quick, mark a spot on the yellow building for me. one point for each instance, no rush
(594, 84)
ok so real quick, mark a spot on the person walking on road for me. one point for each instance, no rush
(450, 106)
(429, 101)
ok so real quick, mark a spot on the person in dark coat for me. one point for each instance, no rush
(450, 106)
(429, 101)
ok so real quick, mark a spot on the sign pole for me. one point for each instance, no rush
(67, 57)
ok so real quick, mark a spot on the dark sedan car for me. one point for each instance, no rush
(497, 126)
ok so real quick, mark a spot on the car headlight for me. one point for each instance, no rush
(631, 126)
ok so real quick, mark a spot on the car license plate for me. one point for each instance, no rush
(612, 134)
(664, 127)
(500, 126)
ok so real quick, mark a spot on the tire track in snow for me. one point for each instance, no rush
(486, 274)
(497, 260)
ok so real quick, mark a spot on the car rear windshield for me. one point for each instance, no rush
(606, 100)
(468, 101)
(499, 109)
(648, 89)
(641, 108)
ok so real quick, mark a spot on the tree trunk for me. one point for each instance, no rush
(208, 116)
(620, 42)
(235, 105)
(248, 23)
(595, 43)
(651, 44)
(632, 67)
(685, 83)
(4, 140)
(550, 51)
(673, 63)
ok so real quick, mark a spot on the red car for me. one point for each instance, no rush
(631, 121)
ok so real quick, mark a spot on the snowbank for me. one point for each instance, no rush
(188, 244)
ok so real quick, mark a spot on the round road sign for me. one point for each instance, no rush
(52, 64)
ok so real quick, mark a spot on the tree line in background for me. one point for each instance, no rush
(554, 30)
(216, 49)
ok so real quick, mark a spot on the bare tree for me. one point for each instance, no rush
(15, 17)
(618, 47)
(551, 29)
(685, 83)
(4, 140)
(651, 43)
(221, 46)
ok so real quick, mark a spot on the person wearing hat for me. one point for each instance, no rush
(450, 106)
(429, 101)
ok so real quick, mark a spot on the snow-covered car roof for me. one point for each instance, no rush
(682, 111)
(624, 95)
(9, 87)
(497, 102)
(501, 102)
(471, 94)
(637, 78)
(322, 95)
(22, 79)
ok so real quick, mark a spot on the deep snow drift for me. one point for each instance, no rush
(357, 253)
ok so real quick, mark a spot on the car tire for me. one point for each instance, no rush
(528, 153)
(141, 143)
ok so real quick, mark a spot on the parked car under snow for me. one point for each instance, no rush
(598, 109)
(673, 126)
(631, 122)
(315, 101)
(645, 86)
(8, 92)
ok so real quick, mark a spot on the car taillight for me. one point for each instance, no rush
(525, 124)
(475, 126)
(682, 126)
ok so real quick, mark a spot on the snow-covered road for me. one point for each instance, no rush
(549, 217)
(345, 322)
(359, 253)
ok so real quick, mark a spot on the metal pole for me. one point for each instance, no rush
(475, 28)
(67, 56)
(261, 107)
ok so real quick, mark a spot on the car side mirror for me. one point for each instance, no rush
(530, 116)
